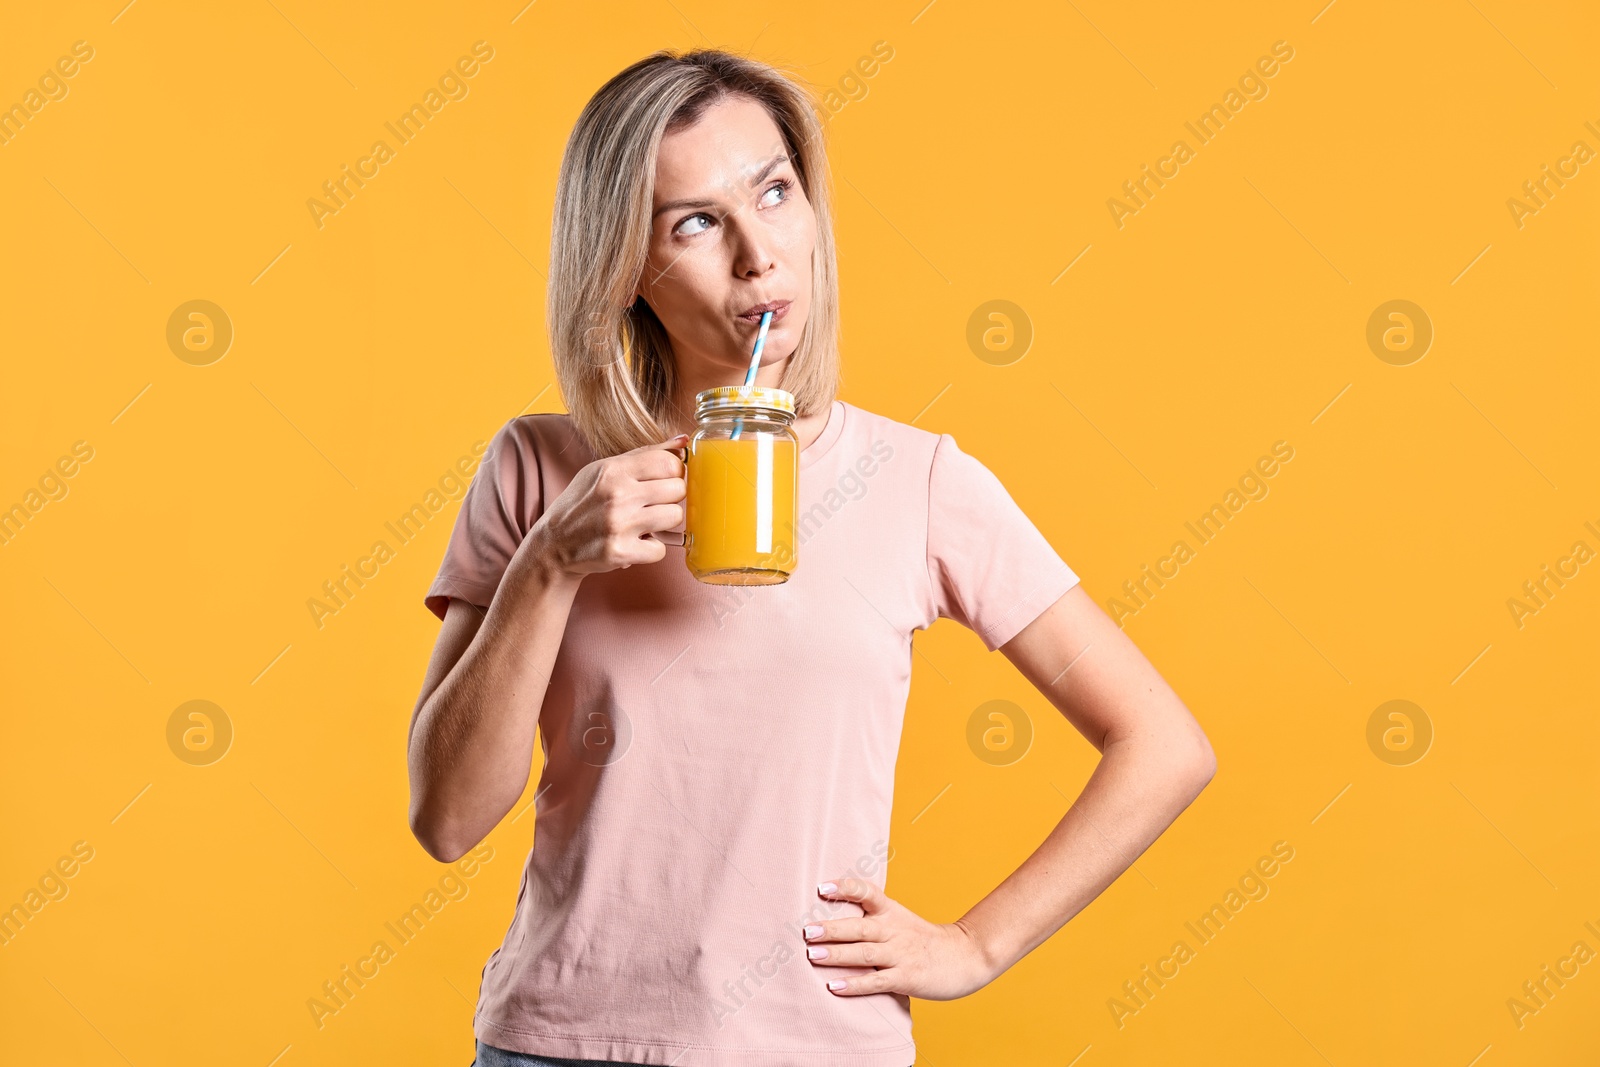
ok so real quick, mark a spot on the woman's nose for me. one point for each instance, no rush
(754, 253)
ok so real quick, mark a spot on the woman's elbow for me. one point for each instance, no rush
(1203, 762)
(434, 841)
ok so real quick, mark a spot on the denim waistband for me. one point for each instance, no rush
(489, 1056)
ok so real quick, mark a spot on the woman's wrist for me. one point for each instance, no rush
(539, 559)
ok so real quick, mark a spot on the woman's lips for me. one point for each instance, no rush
(754, 318)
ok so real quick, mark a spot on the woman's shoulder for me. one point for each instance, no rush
(540, 422)
(543, 449)
(938, 453)
(865, 425)
(538, 435)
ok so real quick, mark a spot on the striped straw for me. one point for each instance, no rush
(755, 361)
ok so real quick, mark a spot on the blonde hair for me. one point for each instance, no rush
(613, 358)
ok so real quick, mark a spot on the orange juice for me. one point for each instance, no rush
(739, 518)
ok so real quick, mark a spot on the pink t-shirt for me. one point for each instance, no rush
(713, 752)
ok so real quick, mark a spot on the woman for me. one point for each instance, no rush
(705, 883)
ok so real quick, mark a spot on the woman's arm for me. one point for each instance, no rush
(1155, 761)
(471, 744)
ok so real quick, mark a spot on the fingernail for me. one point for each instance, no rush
(812, 931)
(816, 952)
(827, 887)
(836, 984)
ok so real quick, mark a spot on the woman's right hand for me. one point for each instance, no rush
(604, 518)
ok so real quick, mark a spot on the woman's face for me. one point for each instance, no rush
(732, 229)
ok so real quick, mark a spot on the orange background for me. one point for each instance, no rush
(1228, 313)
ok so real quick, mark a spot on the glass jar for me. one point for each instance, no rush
(743, 467)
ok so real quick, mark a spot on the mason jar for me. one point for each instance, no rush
(743, 467)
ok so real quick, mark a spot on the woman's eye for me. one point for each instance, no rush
(687, 221)
(783, 187)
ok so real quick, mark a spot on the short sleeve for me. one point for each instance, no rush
(990, 567)
(500, 506)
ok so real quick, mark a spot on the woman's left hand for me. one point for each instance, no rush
(930, 961)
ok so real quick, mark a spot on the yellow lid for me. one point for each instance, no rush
(728, 397)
